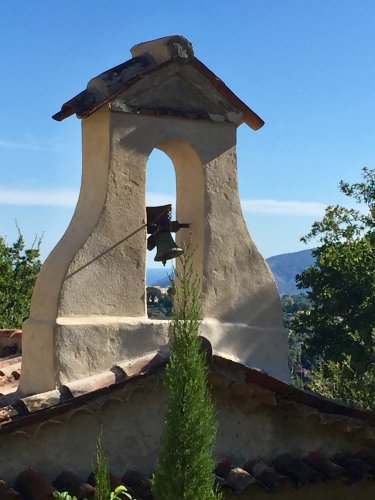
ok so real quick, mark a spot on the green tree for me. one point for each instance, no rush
(154, 294)
(340, 326)
(159, 304)
(185, 467)
(19, 268)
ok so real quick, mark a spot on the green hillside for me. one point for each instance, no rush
(286, 266)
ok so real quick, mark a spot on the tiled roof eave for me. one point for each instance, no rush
(287, 392)
(44, 406)
(78, 106)
(34, 409)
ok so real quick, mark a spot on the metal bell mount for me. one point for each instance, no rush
(160, 226)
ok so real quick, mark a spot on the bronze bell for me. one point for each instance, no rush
(160, 226)
(166, 247)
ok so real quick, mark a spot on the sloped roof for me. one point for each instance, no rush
(256, 474)
(149, 57)
(16, 412)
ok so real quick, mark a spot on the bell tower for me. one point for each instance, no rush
(89, 307)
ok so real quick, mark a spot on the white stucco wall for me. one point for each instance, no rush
(82, 285)
(250, 427)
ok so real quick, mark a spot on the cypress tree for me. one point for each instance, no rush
(185, 467)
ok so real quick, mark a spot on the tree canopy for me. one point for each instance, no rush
(340, 326)
(19, 268)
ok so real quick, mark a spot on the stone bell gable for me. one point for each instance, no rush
(163, 78)
(88, 309)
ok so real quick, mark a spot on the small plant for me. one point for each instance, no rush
(102, 483)
(120, 491)
(63, 495)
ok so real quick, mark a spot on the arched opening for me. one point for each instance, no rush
(160, 190)
(175, 175)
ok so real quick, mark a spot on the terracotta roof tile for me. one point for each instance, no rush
(67, 481)
(265, 474)
(367, 455)
(109, 84)
(239, 480)
(296, 468)
(10, 332)
(10, 368)
(41, 401)
(244, 383)
(254, 473)
(139, 483)
(355, 468)
(286, 393)
(325, 466)
(10, 360)
(90, 384)
(298, 471)
(6, 492)
(223, 468)
(144, 363)
(34, 486)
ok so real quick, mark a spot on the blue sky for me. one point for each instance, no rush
(306, 67)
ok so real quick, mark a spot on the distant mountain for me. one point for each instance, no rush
(286, 266)
(158, 277)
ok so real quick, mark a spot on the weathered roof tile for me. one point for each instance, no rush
(7, 492)
(324, 465)
(67, 481)
(223, 468)
(41, 401)
(239, 480)
(144, 363)
(34, 486)
(139, 483)
(265, 474)
(90, 384)
(109, 84)
(297, 469)
(355, 468)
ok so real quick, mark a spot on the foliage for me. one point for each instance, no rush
(185, 467)
(340, 326)
(299, 364)
(154, 294)
(340, 381)
(102, 481)
(295, 359)
(63, 495)
(292, 304)
(19, 268)
(159, 304)
(120, 492)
